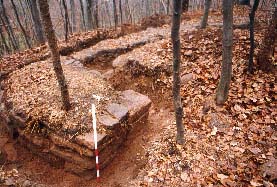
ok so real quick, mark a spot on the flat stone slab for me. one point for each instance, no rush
(66, 138)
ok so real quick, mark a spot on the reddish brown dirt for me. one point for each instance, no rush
(123, 168)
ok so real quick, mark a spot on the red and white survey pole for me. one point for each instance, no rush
(93, 112)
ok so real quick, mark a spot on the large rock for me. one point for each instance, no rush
(136, 103)
(269, 169)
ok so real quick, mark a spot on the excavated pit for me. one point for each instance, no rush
(59, 137)
(137, 59)
(101, 56)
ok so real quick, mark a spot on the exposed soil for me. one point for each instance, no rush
(133, 155)
(126, 164)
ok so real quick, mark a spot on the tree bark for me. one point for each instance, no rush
(252, 37)
(37, 22)
(73, 15)
(267, 47)
(108, 12)
(227, 55)
(82, 14)
(4, 41)
(27, 39)
(89, 20)
(53, 46)
(95, 13)
(205, 17)
(66, 23)
(175, 36)
(168, 6)
(185, 5)
(115, 14)
(120, 11)
(7, 24)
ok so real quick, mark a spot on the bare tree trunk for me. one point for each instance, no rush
(147, 7)
(175, 36)
(73, 15)
(252, 39)
(66, 23)
(20, 25)
(206, 14)
(267, 47)
(120, 11)
(95, 12)
(115, 14)
(227, 55)
(168, 6)
(108, 12)
(7, 24)
(129, 11)
(11, 42)
(37, 22)
(4, 40)
(185, 5)
(83, 14)
(89, 20)
(52, 43)
(29, 20)
(24, 13)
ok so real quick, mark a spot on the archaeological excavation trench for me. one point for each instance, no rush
(107, 70)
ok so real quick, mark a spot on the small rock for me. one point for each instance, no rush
(27, 183)
(109, 74)
(188, 53)
(184, 176)
(10, 182)
(254, 150)
(186, 78)
(270, 169)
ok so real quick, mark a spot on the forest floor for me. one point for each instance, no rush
(231, 145)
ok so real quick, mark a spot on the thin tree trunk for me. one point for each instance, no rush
(89, 15)
(73, 15)
(83, 14)
(108, 12)
(252, 37)
(20, 25)
(66, 24)
(168, 6)
(115, 14)
(227, 45)
(147, 7)
(120, 11)
(96, 14)
(24, 13)
(129, 11)
(267, 47)
(12, 44)
(37, 22)
(7, 25)
(4, 40)
(52, 43)
(175, 36)
(30, 21)
(205, 17)
(185, 5)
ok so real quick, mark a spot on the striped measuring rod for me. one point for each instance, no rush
(93, 112)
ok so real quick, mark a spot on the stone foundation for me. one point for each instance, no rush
(76, 154)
